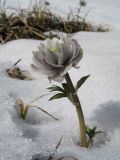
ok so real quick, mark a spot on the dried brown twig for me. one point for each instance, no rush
(51, 156)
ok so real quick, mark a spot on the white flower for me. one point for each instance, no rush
(56, 56)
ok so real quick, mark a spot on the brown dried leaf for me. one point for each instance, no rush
(17, 74)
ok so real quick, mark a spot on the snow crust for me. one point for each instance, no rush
(100, 95)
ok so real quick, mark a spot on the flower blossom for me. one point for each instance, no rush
(56, 56)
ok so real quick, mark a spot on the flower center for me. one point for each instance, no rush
(54, 49)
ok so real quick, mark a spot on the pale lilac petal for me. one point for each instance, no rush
(44, 67)
(79, 54)
(65, 70)
(58, 79)
(50, 57)
(53, 65)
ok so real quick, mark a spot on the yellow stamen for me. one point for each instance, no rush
(54, 49)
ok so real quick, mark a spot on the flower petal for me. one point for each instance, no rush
(79, 53)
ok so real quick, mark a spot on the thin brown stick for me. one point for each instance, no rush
(17, 62)
(59, 143)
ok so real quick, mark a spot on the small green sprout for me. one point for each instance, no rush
(91, 132)
(24, 108)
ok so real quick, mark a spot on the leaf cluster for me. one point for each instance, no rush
(91, 132)
(65, 90)
(62, 92)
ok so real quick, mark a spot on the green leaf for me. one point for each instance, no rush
(66, 88)
(26, 111)
(56, 88)
(91, 132)
(57, 96)
(80, 82)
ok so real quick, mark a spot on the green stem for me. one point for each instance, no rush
(77, 104)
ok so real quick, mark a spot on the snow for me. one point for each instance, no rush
(100, 95)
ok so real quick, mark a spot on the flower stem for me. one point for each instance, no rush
(77, 104)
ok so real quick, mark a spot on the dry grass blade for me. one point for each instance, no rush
(47, 113)
(34, 100)
(33, 23)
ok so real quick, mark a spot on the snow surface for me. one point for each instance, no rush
(100, 95)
